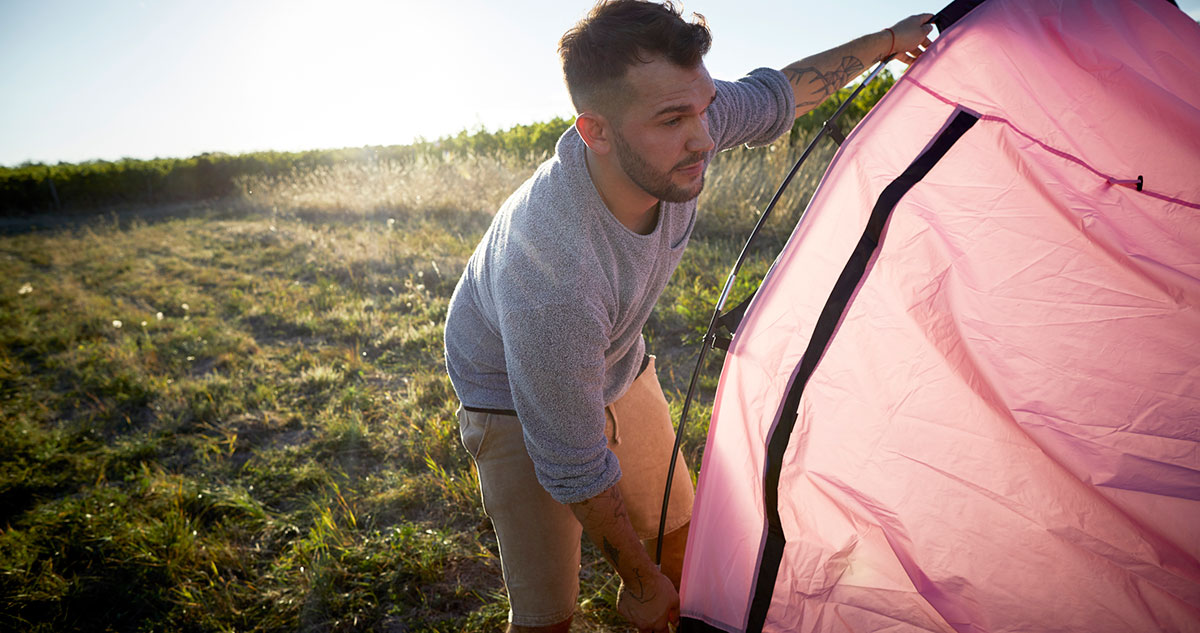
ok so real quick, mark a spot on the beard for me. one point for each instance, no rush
(653, 181)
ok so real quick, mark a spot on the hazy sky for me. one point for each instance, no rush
(86, 79)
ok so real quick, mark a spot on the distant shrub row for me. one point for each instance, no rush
(81, 186)
(34, 188)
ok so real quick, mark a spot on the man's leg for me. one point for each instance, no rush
(674, 544)
(538, 537)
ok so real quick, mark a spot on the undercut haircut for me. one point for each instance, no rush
(616, 34)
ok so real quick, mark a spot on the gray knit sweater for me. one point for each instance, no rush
(547, 317)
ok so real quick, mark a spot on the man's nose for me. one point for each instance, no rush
(700, 141)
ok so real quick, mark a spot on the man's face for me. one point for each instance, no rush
(662, 139)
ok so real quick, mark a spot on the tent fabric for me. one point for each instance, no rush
(967, 395)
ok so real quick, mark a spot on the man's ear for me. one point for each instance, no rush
(595, 131)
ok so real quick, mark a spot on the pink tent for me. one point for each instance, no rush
(967, 395)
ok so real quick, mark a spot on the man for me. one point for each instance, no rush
(562, 410)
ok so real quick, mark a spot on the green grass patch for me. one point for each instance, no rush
(235, 417)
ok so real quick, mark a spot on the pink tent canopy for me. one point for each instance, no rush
(967, 395)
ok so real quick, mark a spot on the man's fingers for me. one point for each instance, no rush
(912, 37)
(909, 56)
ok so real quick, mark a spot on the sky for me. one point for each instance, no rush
(109, 79)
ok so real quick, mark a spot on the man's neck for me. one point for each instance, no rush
(628, 203)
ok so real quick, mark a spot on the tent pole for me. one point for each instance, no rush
(710, 334)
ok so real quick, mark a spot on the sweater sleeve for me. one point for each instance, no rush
(753, 110)
(555, 358)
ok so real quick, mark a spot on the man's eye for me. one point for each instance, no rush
(671, 122)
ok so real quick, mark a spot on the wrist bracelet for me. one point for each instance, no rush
(892, 46)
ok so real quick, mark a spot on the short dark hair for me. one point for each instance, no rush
(616, 34)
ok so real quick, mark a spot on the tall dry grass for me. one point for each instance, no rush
(739, 183)
(424, 183)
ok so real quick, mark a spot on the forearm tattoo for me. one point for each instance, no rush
(813, 86)
(606, 508)
(637, 592)
(613, 554)
(600, 514)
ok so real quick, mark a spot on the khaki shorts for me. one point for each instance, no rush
(539, 537)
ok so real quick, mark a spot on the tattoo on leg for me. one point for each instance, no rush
(813, 86)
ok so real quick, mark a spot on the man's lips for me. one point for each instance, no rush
(691, 169)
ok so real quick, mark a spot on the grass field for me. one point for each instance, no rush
(233, 415)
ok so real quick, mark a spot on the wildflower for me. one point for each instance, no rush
(143, 324)
(391, 222)
(26, 289)
(191, 358)
(158, 315)
(184, 306)
(117, 323)
(272, 228)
